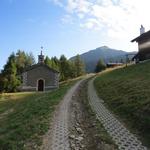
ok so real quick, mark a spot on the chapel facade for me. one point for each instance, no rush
(40, 77)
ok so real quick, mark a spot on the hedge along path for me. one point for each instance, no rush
(58, 136)
(120, 135)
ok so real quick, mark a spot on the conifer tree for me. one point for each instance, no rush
(53, 62)
(30, 60)
(9, 75)
(20, 61)
(79, 65)
(23, 60)
(47, 61)
(72, 71)
(64, 68)
(100, 66)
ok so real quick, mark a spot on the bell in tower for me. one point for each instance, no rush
(41, 57)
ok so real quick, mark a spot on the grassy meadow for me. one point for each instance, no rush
(126, 91)
(25, 117)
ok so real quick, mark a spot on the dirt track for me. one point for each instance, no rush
(74, 125)
(84, 131)
(58, 136)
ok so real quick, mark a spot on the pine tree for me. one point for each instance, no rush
(47, 61)
(20, 61)
(65, 68)
(23, 60)
(100, 66)
(30, 60)
(10, 78)
(72, 70)
(79, 65)
(9, 75)
(53, 62)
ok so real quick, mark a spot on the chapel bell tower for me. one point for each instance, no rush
(41, 57)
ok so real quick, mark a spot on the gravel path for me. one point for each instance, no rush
(121, 136)
(58, 137)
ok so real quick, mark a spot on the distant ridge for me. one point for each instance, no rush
(91, 57)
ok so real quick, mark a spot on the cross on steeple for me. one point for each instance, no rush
(41, 49)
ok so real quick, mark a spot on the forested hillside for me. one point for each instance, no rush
(105, 53)
(11, 74)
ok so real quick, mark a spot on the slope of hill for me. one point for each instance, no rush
(91, 57)
(126, 91)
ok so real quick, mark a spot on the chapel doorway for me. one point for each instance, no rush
(40, 85)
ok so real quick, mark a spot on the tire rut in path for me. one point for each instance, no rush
(58, 136)
(121, 136)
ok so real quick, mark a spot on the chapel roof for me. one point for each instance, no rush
(40, 65)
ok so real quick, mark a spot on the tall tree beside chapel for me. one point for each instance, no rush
(64, 68)
(9, 75)
(79, 66)
(52, 63)
(23, 60)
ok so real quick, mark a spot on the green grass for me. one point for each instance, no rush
(25, 117)
(126, 92)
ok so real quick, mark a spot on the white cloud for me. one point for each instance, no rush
(81, 15)
(78, 6)
(120, 18)
(92, 23)
(67, 19)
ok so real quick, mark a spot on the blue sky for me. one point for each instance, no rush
(69, 26)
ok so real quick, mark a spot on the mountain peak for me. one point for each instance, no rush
(104, 47)
(91, 57)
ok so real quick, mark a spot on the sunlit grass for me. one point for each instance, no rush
(25, 117)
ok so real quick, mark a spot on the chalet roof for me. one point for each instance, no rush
(39, 65)
(143, 36)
